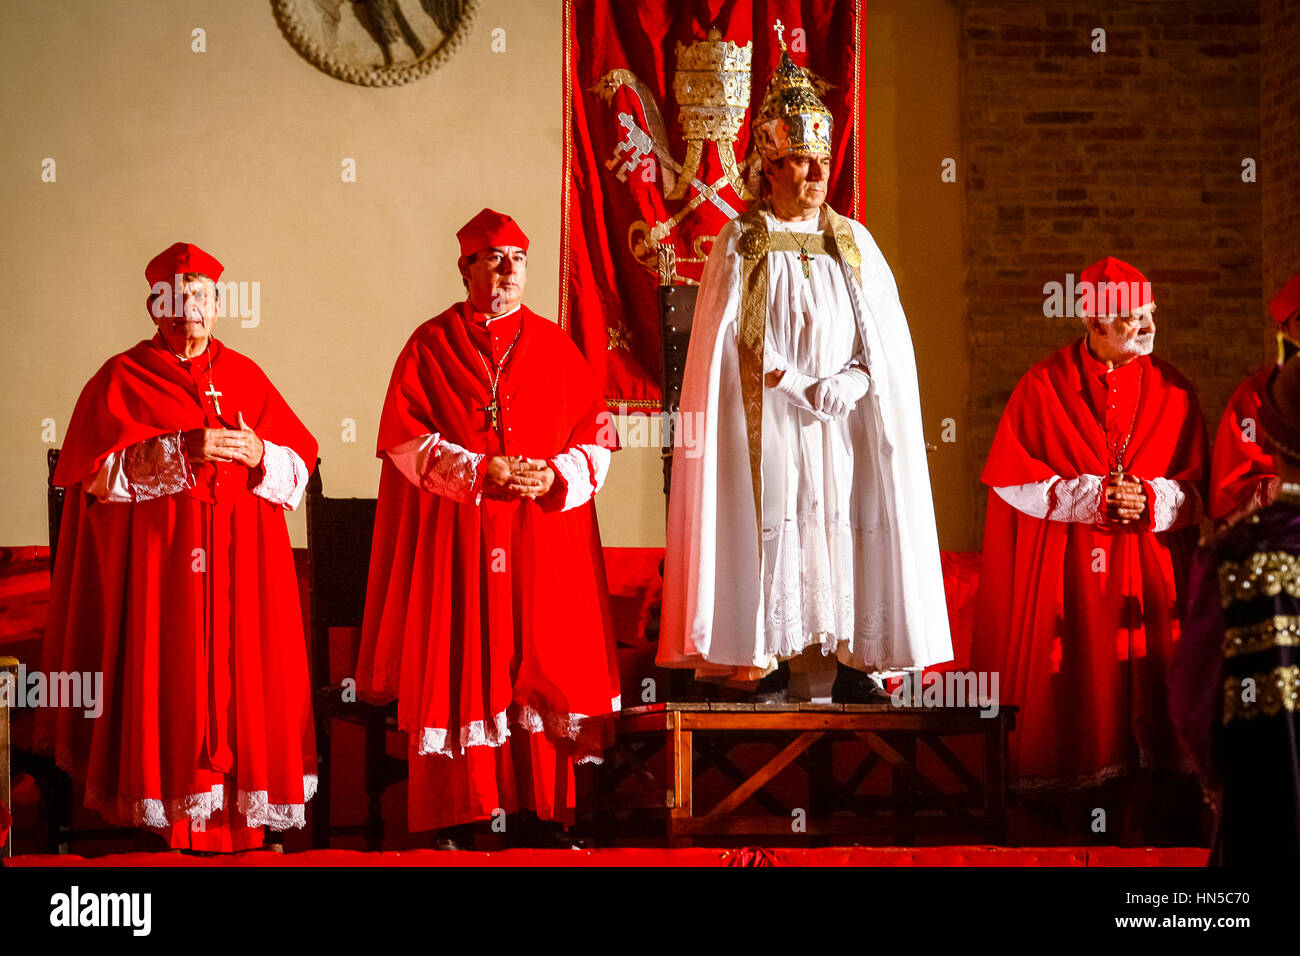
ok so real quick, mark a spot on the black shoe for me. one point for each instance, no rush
(459, 837)
(772, 689)
(529, 831)
(854, 687)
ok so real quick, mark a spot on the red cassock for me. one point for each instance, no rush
(489, 621)
(1079, 621)
(1242, 473)
(188, 603)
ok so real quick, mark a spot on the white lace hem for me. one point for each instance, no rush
(822, 591)
(586, 737)
(200, 807)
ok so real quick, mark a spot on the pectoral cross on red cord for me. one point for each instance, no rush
(213, 394)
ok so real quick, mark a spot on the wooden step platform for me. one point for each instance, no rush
(804, 766)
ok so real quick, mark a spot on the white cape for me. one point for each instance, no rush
(861, 578)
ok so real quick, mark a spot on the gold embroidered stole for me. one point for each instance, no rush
(755, 242)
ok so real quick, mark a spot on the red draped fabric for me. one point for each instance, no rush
(1079, 621)
(624, 147)
(188, 604)
(1241, 462)
(489, 622)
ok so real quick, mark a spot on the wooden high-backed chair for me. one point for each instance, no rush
(676, 314)
(339, 534)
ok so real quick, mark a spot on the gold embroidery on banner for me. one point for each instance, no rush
(619, 337)
(1282, 630)
(1276, 690)
(1265, 573)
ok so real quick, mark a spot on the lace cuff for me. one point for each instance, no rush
(582, 469)
(148, 469)
(441, 467)
(284, 476)
(1057, 499)
(1173, 504)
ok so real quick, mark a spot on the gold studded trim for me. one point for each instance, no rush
(1276, 691)
(1282, 630)
(1263, 574)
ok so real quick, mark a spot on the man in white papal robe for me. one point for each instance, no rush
(802, 377)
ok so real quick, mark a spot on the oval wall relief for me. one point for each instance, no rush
(376, 42)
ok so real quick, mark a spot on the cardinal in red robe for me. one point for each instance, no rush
(175, 581)
(1243, 476)
(1094, 478)
(487, 615)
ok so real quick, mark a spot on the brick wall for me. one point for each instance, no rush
(1136, 152)
(1279, 69)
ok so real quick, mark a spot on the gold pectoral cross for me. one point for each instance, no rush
(492, 408)
(806, 261)
(213, 394)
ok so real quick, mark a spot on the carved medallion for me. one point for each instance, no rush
(754, 242)
(376, 42)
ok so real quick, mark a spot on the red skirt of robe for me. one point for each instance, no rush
(188, 605)
(1079, 621)
(490, 622)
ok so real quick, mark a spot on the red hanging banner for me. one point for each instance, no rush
(658, 98)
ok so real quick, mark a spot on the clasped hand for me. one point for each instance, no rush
(225, 444)
(828, 398)
(1125, 498)
(511, 477)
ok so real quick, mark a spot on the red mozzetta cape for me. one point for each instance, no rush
(188, 604)
(1241, 462)
(489, 622)
(1079, 621)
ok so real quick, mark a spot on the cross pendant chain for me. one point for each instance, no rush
(806, 262)
(213, 394)
(493, 407)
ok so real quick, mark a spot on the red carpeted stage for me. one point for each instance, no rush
(633, 580)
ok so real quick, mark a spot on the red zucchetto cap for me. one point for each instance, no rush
(178, 259)
(490, 228)
(1112, 287)
(1286, 303)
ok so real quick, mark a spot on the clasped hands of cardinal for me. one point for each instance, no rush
(1124, 498)
(827, 398)
(510, 477)
(225, 444)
